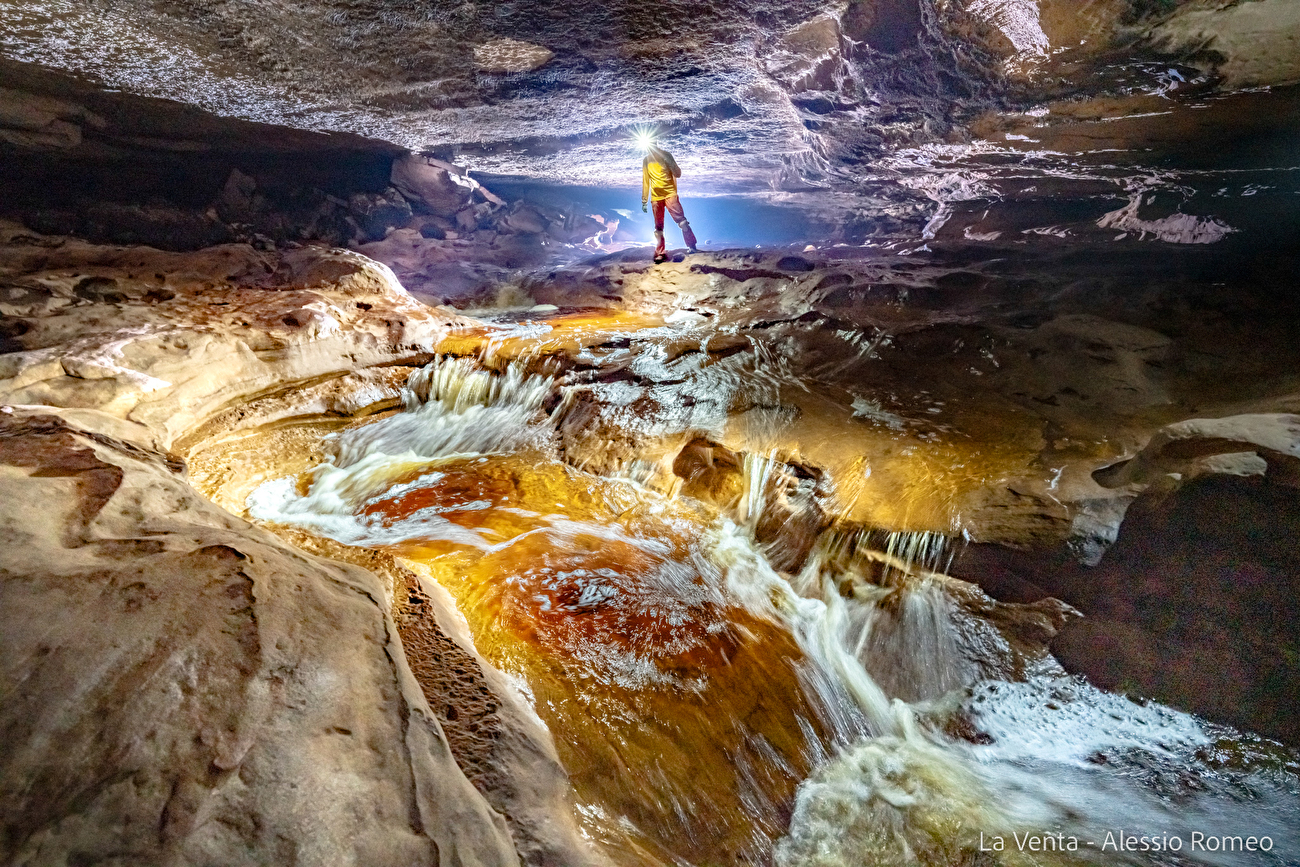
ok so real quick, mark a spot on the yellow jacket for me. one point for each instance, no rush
(659, 174)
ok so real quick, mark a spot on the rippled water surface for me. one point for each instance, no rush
(850, 707)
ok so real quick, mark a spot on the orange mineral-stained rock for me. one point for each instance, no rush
(180, 685)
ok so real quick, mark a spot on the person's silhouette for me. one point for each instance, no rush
(659, 174)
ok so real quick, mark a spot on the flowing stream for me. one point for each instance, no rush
(719, 697)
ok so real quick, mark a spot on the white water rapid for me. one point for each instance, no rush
(920, 752)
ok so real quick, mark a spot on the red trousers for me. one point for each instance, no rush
(674, 206)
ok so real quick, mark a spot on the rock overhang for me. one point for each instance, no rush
(782, 93)
(868, 121)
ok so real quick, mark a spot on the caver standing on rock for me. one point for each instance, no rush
(659, 174)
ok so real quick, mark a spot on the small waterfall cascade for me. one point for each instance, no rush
(899, 620)
(711, 708)
(454, 409)
(757, 469)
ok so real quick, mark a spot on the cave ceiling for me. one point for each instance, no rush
(882, 105)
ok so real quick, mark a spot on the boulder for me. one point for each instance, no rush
(578, 228)
(376, 213)
(524, 218)
(431, 185)
(234, 204)
(710, 473)
(1195, 604)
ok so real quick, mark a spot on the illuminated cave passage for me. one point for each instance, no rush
(373, 492)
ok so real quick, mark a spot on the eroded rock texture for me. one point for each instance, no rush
(129, 170)
(1043, 320)
(868, 114)
(183, 687)
(167, 340)
(1194, 603)
(222, 696)
(754, 88)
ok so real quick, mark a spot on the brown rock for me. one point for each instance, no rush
(1195, 604)
(428, 184)
(182, 687)
(710, 473)
(235, 202)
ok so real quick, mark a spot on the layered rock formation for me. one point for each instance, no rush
(1057, 362)
(124, 170)
(206, 690)
(756, 90)
(1194, 603)
(865, 113)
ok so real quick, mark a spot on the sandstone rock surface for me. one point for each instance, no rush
(167, 339)
(184, 688)
(181, 686)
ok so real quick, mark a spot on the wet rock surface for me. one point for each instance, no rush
(1193, 604)
(1020, 402)
(170, 339)
(871, 114)
(1031, 373)
(235, 695)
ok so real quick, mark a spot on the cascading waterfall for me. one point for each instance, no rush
(923, 549)
(899, 620)
(871, 616)
(757, 474)
(454, 409)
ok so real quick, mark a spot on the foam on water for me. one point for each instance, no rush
(454, 410)
(1064, 758)
(891, 800)
(1068, 721)
(1104, 762)
(890, 788)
